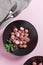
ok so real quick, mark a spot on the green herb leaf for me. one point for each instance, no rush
(12, 49)
(8, 49)
(6, 46)
(8, 41)
(9, 46)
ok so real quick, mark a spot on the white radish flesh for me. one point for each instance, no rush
(26, 30)
(12, 36)
(34, 63)
(18, 34)
(21, 28)
(17, 42)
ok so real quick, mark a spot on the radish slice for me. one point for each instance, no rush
(15, 30)
(13, 41)
(21, 28)
(26, 30)
(18, 34)
(22, 34)
(40, 64)
(20, 31)
(21, 42)
(12, 33)
(21, 46)
(24, 46)
(17, 42)
(26, 34)
(25, 42)
(12, 36)
(34, 63)
(28, 39)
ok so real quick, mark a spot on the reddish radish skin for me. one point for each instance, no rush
(21, 42)
(18, 34)
(15, 29)
(25, 38)
(22, 34)
(13, 41)
(20, 31)
(24, 42)
(20, 37)
(26, 34)
(28, 39)
(16, 38)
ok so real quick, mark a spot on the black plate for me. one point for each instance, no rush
(37, 59)
(33, 36)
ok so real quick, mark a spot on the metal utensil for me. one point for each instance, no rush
(10, 14)
(14, 11)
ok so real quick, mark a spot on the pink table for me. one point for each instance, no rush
(33, 14)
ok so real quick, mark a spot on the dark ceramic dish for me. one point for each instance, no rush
(33, 36)
(37, 59)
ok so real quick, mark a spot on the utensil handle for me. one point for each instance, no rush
(4, 20)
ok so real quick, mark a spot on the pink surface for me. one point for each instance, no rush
(33, 14)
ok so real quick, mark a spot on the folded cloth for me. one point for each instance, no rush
(6, 5)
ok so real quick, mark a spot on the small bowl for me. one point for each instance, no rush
(33, 36)
(37, 59)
